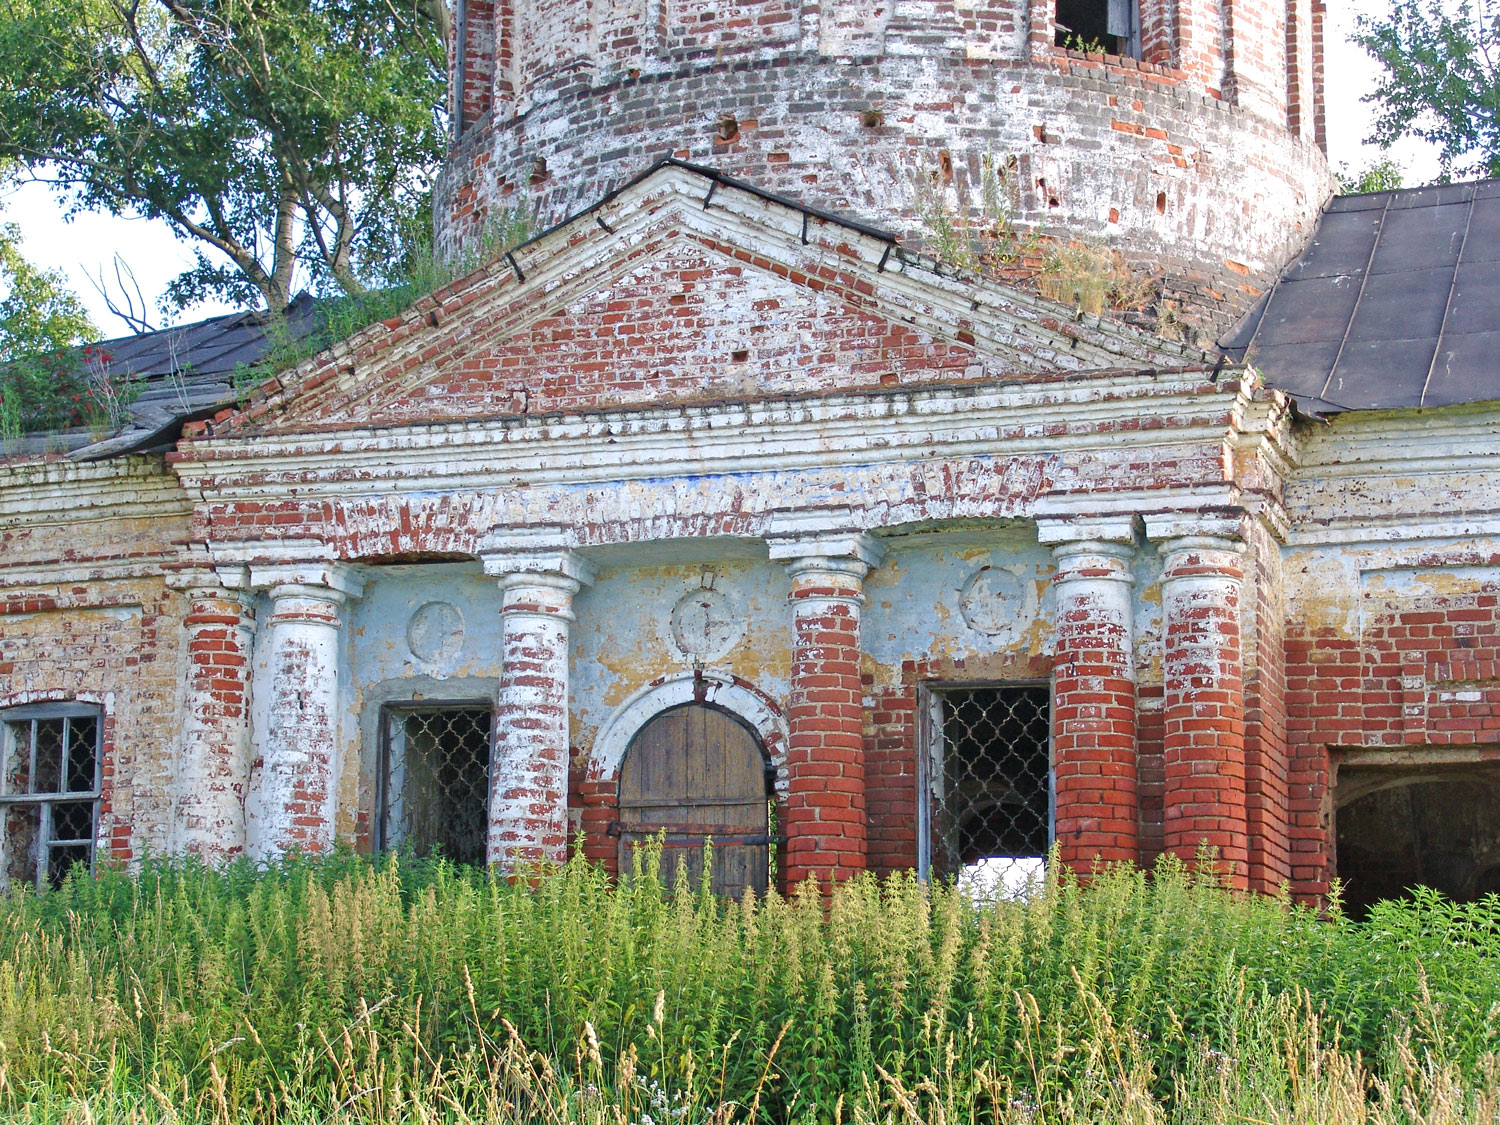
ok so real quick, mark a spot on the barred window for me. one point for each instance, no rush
(985, 816)
(49, 792)
(435, 769)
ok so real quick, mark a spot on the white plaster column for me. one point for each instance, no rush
(293, 798)
(528, 805)
(213, 765)
(1093, 686)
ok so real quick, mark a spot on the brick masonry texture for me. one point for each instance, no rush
(1228, 602)
(1200, 164)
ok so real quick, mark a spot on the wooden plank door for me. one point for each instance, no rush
(697, 773)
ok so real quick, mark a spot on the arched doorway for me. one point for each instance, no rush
(697, 773)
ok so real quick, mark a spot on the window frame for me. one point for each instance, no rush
(388, 713)
(32, 714)
(1133, 46)
(929, 740)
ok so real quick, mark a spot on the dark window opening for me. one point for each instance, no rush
(49, 792)
(434, 792)
(1112, 26)
(987, 786)
(1398, 828)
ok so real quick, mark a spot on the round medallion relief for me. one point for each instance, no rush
(705, 625)
(435, 633)
(999, 602)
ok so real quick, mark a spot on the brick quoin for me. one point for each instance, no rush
(1094, 707)
(825, 762)
(214, 777)
(1204, 707)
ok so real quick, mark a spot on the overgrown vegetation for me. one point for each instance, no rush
(292, 143)
(341, 992)
(1439, 80)
(981, 238)
(422, 272)
(45, 381)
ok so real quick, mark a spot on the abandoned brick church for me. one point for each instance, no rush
(722, 509)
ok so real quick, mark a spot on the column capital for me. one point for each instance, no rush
(1118, 529)
(1220, 530)
(806, 541)
(542, 556)
(227, 580)
(324, 581)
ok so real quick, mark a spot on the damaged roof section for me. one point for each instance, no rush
(1395, 302)
(189, 371)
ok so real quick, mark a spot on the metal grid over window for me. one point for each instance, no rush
(985, 815)
(49, 792)
(435, 780)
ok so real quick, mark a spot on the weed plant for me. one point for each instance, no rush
(420, 272)
(351, 992)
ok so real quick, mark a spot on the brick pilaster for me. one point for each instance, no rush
(292, 800)
(213, 771)
(1204, 709)
(528, 804)
(1093, 702)
(825, 805)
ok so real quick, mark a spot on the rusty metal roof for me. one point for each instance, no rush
(1395, 302)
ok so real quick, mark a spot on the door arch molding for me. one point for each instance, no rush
(748, 704)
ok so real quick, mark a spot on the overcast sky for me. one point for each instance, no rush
(85, 245)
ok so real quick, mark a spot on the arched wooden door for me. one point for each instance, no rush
(698, 773)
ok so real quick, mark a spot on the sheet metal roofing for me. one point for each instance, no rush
(188, 371)
(1395, 302)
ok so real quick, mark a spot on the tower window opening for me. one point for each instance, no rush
(1113, 26)
(434, 792)
(985, 812)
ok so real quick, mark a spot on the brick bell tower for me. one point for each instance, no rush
(1186, 134)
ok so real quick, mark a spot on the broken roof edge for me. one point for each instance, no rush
(279, 384)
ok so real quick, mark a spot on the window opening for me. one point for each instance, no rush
(49, 792)
(434, 793)
(986, 809)
(1113, 26)
(1400, 827)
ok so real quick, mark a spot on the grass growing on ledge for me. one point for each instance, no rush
(337, 991)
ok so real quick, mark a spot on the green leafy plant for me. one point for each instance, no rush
(978, 237)
(292, 142)
(345, 991)
(1440, 78)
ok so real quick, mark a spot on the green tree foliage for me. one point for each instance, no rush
(1441, 79)
(43, 381)
(293, 140)
(1379, 175)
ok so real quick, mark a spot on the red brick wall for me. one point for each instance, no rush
(1423, 671)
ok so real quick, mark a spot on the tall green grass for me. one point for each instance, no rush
(350, 992)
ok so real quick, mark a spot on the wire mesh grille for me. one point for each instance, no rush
(42, 836)
(437, 782)
(990, 786)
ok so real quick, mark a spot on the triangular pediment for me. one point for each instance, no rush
(661, 296)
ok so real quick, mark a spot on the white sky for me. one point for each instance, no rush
(85, 245)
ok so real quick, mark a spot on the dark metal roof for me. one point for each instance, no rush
(188, 371)
(1395, 302)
